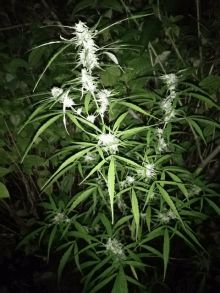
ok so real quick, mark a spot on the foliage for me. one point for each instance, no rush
(118, 135)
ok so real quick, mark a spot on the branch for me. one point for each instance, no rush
(207, 160)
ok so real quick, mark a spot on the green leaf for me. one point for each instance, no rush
(64, 260)
(97, 167)
(51, 239)
(134, 107)
(69, 161)
(135, 210)
(119, 120)
(49, 63)
(3, 191)
(198, 129)
(111, 185)
(40, 131)
(148, 217)
(122, 221)
(169, 201)
(102, 284)
(86, 102)
(213, 205)
(166, 250)
(35, 56)
(205, 99)
(106, 223)
(122, 282)
(29, 237)
(80, 198)
(181, 186)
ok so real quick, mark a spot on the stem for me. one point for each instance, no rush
(207, 160)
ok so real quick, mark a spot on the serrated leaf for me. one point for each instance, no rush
(111, 185)
(64, 260)
(135, 209)
(166, 250)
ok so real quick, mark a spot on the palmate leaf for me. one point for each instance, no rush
(111, 185)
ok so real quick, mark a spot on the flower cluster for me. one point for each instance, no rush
(60, 218)
(127, 182)
(116, 248)
(90, 157)
(109, 141)
(166, 216)
(171, 81)
(195, 190)
(161, 141)
(103, 100)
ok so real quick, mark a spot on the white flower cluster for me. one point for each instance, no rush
(84, 39)
(195, 190)
(127, 182)
(90, 157)
(171, 81)
(161, 141)
(167, 216)
(116, 248)
(57, 93)
(109, 141)
(121, 204)
(150, 172)
(103, 100)
(60, 218)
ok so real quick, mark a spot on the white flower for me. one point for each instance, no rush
(153, 196)
(172, 95)
(164, 218)
(103, 99)
(87, 82)
(150, 172)
(110, 141)
(88, 59)
(66, 101)
(159, 131)
(171, 80)
(162, 144)
(170, 116)
(91, 118)
(89, 157)
(84, 36)
(195, 190)
(122, 205)
(79, 111)
(60, 217)
(171, 214)
(116, 248)
(141, 172)
(56, 92)
(166, 106)
(130, 180)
